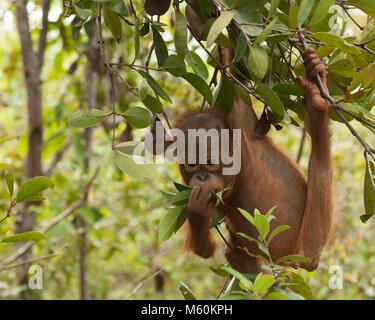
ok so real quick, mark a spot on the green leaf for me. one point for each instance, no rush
(243, 235)
(119, 7)
(180, 34)
(218, 26)
(271, 98)
(161, 50)
(273, 7)
(30, 190)
(83, 118)
(367, 6)
(180, 220)
(344, 68)
(186, 292)
(304, 11)
(2, 140)
(258, 61)
(181, 198)
(26, 236)
(154, 85)
(247, 12)
(217, 217)
(293, 15)
(321, 11)
(136, 40)
(9, 179)
(368, 194)
(197, 64)
(219, 271)
(293, 258)
(274, 38)
(129, 147)
(241, 47)
(244, 282)
(167, 225)
(362, 109)
(269, 215)
(153, 104)
(257, 256)
(224, 94)
(181, 187)
(127, 164)
(242, 93)
(144, 30)
(266, 32)
(168, 194)
(336, 41)
(276, 296)
(247, 215)
(287, 89)
(138, 117)
(175, 65)
(82, 13)
(261, 224)
(112, 21)
(263, 282)
(143, 89)
(199, 84)
(277, 230)
(300, 286)
(365, 78)
(294, 296)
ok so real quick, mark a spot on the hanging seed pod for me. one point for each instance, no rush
(157, 7)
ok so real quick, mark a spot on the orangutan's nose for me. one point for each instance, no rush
(202, 176)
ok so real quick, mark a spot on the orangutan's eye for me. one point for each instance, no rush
(211, 162)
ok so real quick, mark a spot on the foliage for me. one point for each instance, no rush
(122, 213)
(263, 56)
(277, 282)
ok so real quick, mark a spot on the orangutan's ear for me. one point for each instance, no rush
(157, 139)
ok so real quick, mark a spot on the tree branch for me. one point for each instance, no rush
(140, 285)
(58, 157)
(43, 32)
(56, 253)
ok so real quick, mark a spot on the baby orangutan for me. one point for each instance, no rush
(267, 178)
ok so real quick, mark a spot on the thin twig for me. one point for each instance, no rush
(133, 66)
(371, 174)
(12, 204)
(58, 157)
(56, 253)
(222, 236)
(113, 109)
(223, 287)
(141, 284)
(350, 16)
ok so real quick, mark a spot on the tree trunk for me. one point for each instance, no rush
(32, 64)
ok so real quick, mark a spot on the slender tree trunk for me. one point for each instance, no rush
(32, 65)
(91, 100)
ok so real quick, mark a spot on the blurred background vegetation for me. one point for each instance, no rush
(122, 214)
